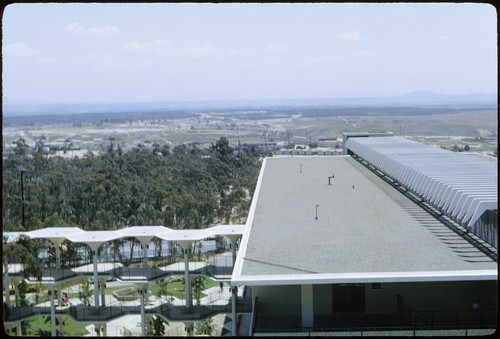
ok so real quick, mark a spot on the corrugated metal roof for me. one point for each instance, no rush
(461, 187)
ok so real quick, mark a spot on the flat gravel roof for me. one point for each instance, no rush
(363, 226)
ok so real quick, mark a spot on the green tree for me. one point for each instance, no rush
(157, 325)
(205, 327)
(85, 292)
(162, 290)
(23, 251)
(198, 283)
(23, 290)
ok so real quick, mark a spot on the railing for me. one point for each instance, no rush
(410, 323)
(458, 318)
(411, 317)
(183, 313)
(218, 267)
(213, 303)
(360, 331)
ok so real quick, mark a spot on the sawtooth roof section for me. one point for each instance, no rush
(462, 187)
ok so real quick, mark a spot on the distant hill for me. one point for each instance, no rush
(432, 97)
(17, 107)
(425, 98)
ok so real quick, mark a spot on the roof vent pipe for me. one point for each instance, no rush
(329, 178)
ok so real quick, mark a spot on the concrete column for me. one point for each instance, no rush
(52, 311)
(105, 330)
(60, 319)
(189, 301)
(306, 299)
(102, 287)
(96, 282)
(97, 330)
(144, 245)
(59, 295)
(233, 239)
(233, 249)
(149, 327)
(146, 294)
(143, 312)
(233, 307)
(6, 283)
(16, 293)
(189, 329)
(186, 245)
(58, 255)
(19, 329)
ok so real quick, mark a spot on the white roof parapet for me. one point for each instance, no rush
(462, 186)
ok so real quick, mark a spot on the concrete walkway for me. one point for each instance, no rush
(130, 325)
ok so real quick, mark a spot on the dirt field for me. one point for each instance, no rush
(477, 129)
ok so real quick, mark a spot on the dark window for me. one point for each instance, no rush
(348, 298)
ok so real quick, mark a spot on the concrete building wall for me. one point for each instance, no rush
(322, 296)
(278, 300)
(286, 300)
(431, 296)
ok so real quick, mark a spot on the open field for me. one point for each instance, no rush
(476, 128)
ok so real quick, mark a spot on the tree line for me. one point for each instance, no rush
(185, 187)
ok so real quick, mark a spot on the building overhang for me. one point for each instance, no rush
(363, 278)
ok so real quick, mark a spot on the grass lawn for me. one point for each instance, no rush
(176, 288)
(42, 326)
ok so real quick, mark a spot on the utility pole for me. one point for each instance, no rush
(21, 170)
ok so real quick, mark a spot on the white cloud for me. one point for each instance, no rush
(20, 50)
(276, 48)
(101, 32)
(442, 38)
(351, 36)
(152, 47)
(196, 52)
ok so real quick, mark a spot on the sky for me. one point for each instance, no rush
(125, 52)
